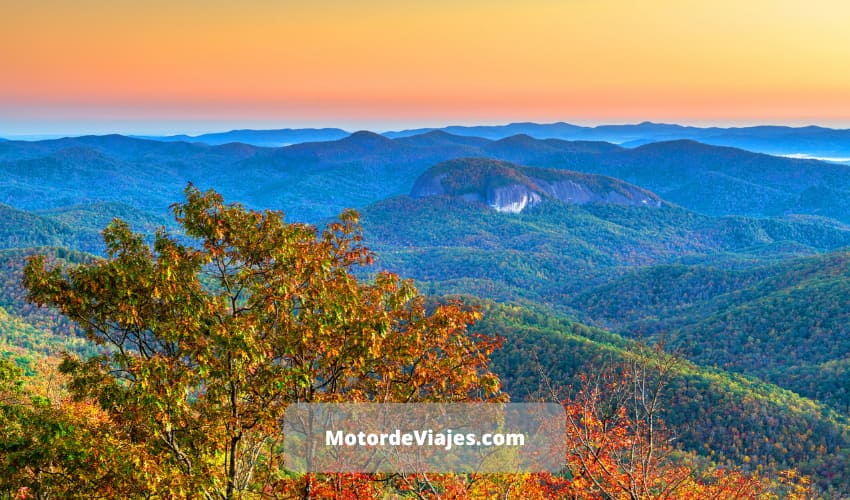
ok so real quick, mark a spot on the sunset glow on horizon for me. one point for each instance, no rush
(144, 65)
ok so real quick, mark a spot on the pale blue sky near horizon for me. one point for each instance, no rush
(38, 130)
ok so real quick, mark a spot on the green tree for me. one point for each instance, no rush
(54, 448)
(213, 337)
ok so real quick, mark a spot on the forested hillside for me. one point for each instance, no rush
(312, 181)
(786, 322)
(727, 417)
(735, 263)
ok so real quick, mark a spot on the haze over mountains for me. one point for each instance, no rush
(315, 180)
(813, 141)
(806, 142)
(270, 138)
(734, 259)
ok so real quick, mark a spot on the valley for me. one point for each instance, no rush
(735, 262)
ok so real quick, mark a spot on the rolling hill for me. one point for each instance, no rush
(784, 322)
(726, 417)
(808, 141)
(734, 260)
(267, 138)
(312, 181)
(552, 248)
(506, 187)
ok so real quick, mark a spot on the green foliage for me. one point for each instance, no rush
(482, 175)
(317, 180)
(210, 341)
(731, 419)
(785, 323)
(25, 343)
(719, 289)
(554, 250)
(44, 330)
(94, 216)
(50, 448)
(668, 274)
(24, 229)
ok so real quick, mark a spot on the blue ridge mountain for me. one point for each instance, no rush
(809, 141)
(312, 181)
(268, 138)
(507, 187)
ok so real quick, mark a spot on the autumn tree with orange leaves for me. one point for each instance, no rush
(210, 339)
(619, 448)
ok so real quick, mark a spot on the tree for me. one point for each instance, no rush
(618, 447)
(212, 335)
(616, 442)
(54, 448)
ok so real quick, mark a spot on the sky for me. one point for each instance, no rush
(157, 66)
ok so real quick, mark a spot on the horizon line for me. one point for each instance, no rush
(191, 132)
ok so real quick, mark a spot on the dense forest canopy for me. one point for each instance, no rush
(207, 343)
(737, 267)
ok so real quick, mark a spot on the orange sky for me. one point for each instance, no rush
(163, 65)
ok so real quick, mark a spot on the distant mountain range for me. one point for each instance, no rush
(316, 180)
(269, 138)
(804, 142)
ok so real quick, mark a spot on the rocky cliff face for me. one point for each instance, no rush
(506, 187)
(512, 198)
(570, 191)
